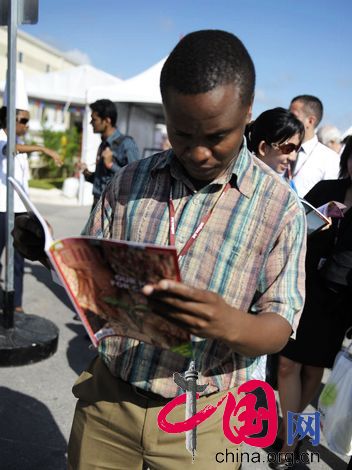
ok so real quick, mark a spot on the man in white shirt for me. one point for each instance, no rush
(315, 161)
(21, 174)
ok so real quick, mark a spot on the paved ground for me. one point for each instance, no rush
(36, 404)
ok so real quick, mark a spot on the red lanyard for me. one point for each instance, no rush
(194, 236)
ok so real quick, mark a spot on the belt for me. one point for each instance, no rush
(149, 395)
(154, 396)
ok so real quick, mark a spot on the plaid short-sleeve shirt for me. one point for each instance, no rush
(251, 252)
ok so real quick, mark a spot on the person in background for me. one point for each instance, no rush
(21, 174)
(315, 161)
(327, 312)
(115, 151)
(331, 137)
(240, 235)
(275, 137)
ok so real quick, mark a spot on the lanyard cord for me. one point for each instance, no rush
(194, 236)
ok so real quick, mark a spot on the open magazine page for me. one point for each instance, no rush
(315, 219)
(31, 209)
(104, 279)
(318, 218)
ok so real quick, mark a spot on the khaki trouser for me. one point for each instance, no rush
(115, 427)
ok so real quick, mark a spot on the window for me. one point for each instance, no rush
(47, 68)
(20, 57)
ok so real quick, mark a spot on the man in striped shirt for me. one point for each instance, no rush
(240, 234)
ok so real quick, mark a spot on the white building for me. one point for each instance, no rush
(33, 56)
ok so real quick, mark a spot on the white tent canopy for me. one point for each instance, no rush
(69, 85)
(142, 88)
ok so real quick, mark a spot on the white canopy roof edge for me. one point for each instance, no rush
(142, 88)
(69, 85)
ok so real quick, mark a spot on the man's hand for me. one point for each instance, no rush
(107, 155)
(328, 225)
(28, 236)
(200, 312)
(54, 155)
(81, 166)
(207, 315)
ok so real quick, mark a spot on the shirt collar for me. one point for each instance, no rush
(309, 145)
(115, 135)
(239, 173)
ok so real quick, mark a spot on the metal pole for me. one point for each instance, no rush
(11, 151)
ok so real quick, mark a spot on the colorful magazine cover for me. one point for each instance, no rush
(104, 279)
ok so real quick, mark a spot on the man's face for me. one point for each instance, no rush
(99, 125)
(297, 108)
(22, 119)
(206, 129)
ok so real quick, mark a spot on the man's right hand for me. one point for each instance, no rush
(29, 239)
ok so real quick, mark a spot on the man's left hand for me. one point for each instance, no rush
(200, 312)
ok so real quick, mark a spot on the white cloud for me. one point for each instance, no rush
(78, 56)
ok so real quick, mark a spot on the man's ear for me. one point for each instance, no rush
(312, 120)
(262, 148)
(250, 111)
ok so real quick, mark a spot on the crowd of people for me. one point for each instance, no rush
(234, 187)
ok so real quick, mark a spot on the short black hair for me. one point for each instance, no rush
(313, 105)
(345, 156)
(105, 109)
(205, 59)
(3, 116)
(273, 126)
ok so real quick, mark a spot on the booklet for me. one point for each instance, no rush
(317, 218)
(104, 278)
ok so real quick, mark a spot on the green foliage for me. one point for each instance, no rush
(67, 144)
(47, 183)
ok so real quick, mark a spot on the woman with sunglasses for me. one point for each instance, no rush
(327, 311)
(275, 138)
(21, 173)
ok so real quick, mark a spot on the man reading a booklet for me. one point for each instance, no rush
(240, 236)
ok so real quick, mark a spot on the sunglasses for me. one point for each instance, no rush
(23, 121)
(285, 149)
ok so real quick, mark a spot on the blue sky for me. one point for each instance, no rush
(298, 46)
